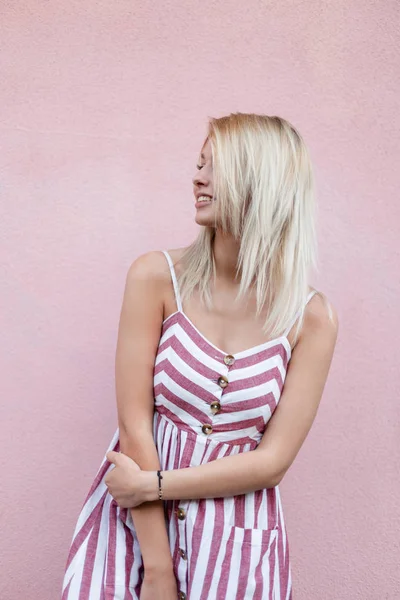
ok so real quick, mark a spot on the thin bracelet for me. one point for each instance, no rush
(160, 493)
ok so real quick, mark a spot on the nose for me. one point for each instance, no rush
(200, 179)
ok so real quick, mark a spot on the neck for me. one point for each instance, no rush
(226, 250)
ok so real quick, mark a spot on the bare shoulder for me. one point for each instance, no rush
(148, 289)
(149, 266)
(146, 281)
(153, 265)
(321, 318)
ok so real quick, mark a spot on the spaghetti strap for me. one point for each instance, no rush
(174, 281)
(293, 321)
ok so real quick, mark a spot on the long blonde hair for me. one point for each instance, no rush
(264, 187)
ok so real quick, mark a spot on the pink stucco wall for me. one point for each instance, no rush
(103, 110)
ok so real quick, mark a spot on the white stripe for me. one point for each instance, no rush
(101, 551)
(75, 570)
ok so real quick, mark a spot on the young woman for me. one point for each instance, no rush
(222, 357)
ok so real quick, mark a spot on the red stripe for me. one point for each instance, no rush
(173, 417)
(259, 581)
(247, 383)
(188, 384)
(197, 534)
(257, 422)
(176, 345)
(86, 582)
(182, 320)
(186, 407)
(277, 349)
(272, 565)
(273, 517)
(245, 405)
(112, 546)
(218, 528)
(244, 570)
(239, 505)
(284, 565)
(66, 591)
(128, 562)
(225, 568)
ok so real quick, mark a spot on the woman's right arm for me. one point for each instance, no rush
(138, 337)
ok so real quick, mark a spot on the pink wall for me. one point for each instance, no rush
(103, 110)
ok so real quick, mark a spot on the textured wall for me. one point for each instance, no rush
(103, 110)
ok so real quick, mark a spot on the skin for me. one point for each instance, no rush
(133, 481)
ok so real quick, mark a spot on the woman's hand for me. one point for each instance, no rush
(163, 587)
(127, 483)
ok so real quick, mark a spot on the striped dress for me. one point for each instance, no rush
(208, 404)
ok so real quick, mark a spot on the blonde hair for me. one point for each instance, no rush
(264, 187)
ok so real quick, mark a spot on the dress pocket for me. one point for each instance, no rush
(248, 536)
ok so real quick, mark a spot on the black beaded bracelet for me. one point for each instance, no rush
(160, 494)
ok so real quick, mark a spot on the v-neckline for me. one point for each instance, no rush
(283, 339)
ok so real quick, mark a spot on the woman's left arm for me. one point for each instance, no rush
(286, 431)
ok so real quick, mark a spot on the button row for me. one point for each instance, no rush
(180, 513)
(229, 360)
(206, 428)
(215, 406)
(182, 553)
(222, 381)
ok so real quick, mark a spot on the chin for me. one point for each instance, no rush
(205, 216)
(203, 220)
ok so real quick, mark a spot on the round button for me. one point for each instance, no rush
(215, 407)
(222, 381)
(206, 428)
(229, 359)
(182, 553)
(182, 596)
(180, 513)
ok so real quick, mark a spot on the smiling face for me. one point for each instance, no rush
(203, 187)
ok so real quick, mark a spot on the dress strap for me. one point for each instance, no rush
(174, 281)
(293, 321)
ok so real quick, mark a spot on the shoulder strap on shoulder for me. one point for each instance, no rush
(174, 280)
(293, 321)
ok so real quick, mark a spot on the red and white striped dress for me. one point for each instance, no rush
(208, 404)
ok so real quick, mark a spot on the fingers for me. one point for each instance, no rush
(112, 456)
